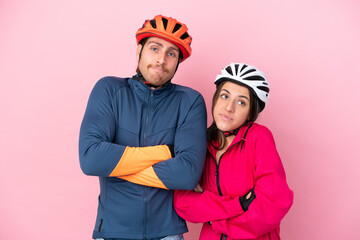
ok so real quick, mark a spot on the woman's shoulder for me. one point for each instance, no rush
(258, 130)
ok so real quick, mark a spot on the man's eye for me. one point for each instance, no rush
(171, 54)
(154, 49)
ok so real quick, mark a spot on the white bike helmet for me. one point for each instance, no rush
(249, 76)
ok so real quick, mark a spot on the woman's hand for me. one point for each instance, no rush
(246, 200)
(198, 188)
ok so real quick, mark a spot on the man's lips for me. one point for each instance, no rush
(158, 69)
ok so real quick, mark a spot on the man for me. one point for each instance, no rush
(144, 137)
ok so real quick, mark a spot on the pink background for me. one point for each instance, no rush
(53, 52)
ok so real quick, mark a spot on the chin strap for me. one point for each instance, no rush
(140, 77)
(234, 132)
(229, 133)
(150, 85)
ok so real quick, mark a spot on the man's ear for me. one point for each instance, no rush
(138, 49)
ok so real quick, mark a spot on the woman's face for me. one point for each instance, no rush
(232, 107)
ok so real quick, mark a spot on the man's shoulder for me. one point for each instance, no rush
(182, 88)
(187, 91)
(112, 81)
(111, 84)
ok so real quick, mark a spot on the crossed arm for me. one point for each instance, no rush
(151, 166)
(272, 202)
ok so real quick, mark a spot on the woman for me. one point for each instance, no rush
(243, 192)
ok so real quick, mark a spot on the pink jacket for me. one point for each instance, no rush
(257, 165)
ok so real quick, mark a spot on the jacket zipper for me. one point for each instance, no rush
(223, 237)
(145, 212)
(217, 173)
(145, 142)
(147, 115)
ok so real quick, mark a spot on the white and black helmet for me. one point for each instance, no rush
(249, 76)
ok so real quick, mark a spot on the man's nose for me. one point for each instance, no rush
(161, 59)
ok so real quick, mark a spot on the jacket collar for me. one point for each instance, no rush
(144, 91)
(237, 139)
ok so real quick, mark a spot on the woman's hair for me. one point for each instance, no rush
(213, 133)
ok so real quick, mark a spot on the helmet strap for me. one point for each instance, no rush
(140, 77)
(234, 132)
(229, 133)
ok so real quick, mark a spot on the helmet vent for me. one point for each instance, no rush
(184, 36)
(250, 71)
(236, 67)
(228, 69)
(265, 89)
(251, 78)
(177, 27)
(243, 67)
(153, 23)
(165, 22)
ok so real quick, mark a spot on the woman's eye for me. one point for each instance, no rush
(241, 103)
(154, 49)
(223, 96)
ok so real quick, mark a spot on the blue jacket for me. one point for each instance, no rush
(124, 140)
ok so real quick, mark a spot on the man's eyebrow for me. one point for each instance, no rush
(174, 49)
(160, 45)
(157, 43)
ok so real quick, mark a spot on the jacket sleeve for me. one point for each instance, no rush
(204, 207)
(273, 196)
(184, 170)
(98, 155)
